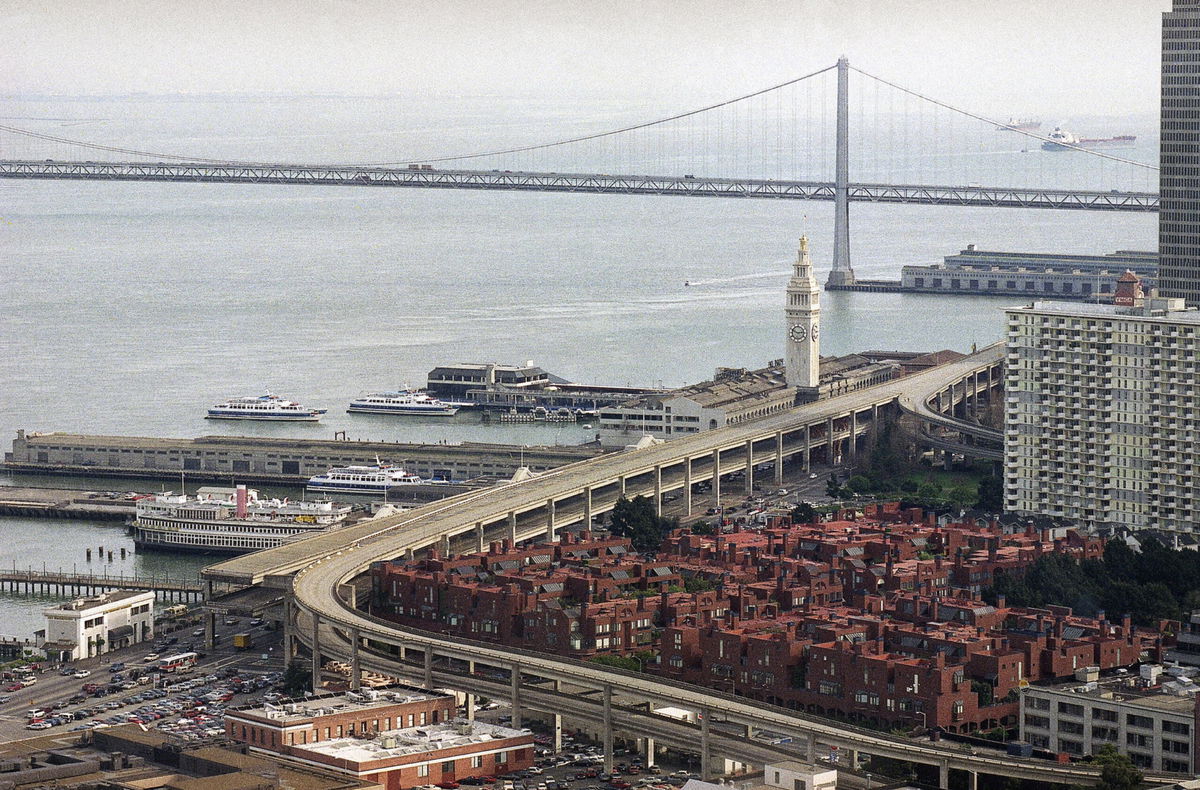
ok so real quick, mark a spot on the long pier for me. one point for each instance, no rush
(63, 503)
(33, 582)
(523, 181)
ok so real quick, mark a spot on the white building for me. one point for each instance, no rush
(87, 627)
(1151, 717)
(1102, 412)
(795, 775)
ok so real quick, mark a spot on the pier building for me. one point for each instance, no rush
(522, 387)
(271, 460)
(1029, 274)
(1102, 412)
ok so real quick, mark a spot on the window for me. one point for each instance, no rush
(1037, 721)
(501, 758)
(477, 761)
(1176, 727)
(1103, 715)
(1142, 722)
(423, 770)
(1070, 727)
(1070, 709)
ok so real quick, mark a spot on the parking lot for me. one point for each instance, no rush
(127, 686)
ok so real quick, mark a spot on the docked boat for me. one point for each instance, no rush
(380, 479)
(402, 402)
(263, 407)
(1062, 140)
(228, 521)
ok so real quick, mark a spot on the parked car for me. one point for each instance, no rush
(81, 673)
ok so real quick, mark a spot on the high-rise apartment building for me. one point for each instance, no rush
(1179, 154)
(1102, 413)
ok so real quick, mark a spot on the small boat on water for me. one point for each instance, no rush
(402, 402)
(263, 407)
(378, 479)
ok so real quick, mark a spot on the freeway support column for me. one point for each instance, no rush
(705, 760)
(649, 752)
(556, 738)
(944, 774)
(779, 458)
(749, 467)
(428, 661)
(316, 652)
(512, 527)
(479, 547)
(608, 730)
(810, 748)
(289, 646)
(587, 507)
(687, 484)
(550, 520)
(658, 490)
(853, 436)
(972, 780)
(833, 454)
(806, 455)
(355, 665)
(470, 706)
(716, 476)
(210, 629)
(514, 690)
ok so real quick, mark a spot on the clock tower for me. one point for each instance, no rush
(802, 356)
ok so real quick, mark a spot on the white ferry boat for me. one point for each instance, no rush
(228, 521)
(263, 407)
(402, 402)
(379, 479)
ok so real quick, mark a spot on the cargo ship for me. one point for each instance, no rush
(1062, 140)
(1023, 125)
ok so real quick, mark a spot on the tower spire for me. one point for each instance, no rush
(802, 360)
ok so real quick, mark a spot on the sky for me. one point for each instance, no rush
(1005, 57)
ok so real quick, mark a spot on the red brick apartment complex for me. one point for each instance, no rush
(399, 738)
(876, 619)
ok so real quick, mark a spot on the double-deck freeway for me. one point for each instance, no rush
(320, 570)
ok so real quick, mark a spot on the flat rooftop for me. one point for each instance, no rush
(1092, 310)
(349, 702)
(413, 740)
(1124, 689)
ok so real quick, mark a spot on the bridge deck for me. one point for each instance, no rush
(687, 186)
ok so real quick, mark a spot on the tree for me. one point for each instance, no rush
(703, 528)
(635, 519)
(296, 678)
(991, 494)
(1117, 771)
(804, 513)
(859, 484)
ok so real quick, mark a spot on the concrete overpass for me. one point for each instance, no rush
(320, 571)
(948, 414)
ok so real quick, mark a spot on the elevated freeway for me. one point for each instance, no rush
(522, 181)
(320, 571)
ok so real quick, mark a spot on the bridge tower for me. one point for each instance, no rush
(842, 274)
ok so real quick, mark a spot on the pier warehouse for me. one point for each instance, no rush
(1030, 274)
(261, 459)
(522, 387)
(87, 627)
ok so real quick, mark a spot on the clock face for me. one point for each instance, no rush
(814, 331)
(798, 332)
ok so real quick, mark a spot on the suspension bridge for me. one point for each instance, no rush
(790, 141)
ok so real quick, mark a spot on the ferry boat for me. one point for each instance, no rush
(228, 521)
(403, 402)
(379, 479)
(263, 407)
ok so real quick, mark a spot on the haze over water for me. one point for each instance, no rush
(131, 308)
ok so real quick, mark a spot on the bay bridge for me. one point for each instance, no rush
(790, 141)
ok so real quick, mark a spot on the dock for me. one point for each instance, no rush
(64, 503)
(32, 582)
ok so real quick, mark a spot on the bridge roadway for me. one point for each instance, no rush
(692, 186)
(322, 568)
(931, 408)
